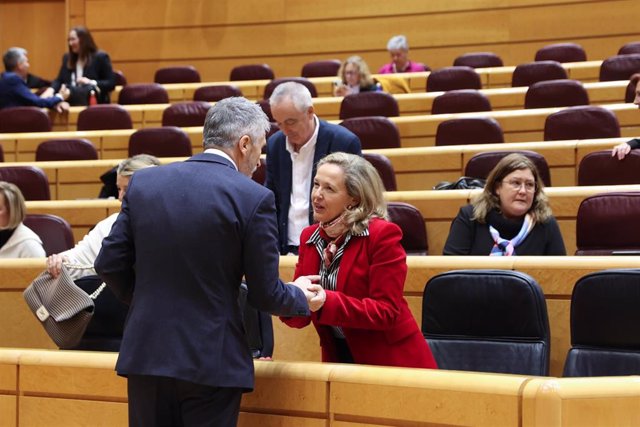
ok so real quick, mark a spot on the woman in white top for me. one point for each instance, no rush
(86, 251)
(16, 239)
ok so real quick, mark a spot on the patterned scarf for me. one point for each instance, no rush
(336, 230)
(504, 247)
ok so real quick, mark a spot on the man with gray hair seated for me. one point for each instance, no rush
(292, 155)
(14, 91)
(398, 48)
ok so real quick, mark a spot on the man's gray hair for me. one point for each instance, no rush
(231, 118)
(298, 93)
(13, 57)
(398, 43)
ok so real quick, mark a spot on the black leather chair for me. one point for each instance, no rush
(478, 60)
(628, 48)
(581, 122)
(366, 104)
(143, 93)
(561, 52)
(481, 164)
(487, 321)
(24, 119)
(385, 169)
(325, 68)
(104, 117)
(374, 132)
(599, 168)
(66, 149)
(556, 93)
(251, 72)
(460, 101)
(469, 130)
(605, 338)
(215, 93)
(619, 67)
(185, 114)
(31, 180)
(452, 78)
(177, 74)
(534, 72)
(167, 141)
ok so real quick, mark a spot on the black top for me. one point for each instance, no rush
(5, 235)
(469, 237)
(634, 143)
(98, 69)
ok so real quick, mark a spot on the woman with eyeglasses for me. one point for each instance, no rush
(510, 217)
(354, 77)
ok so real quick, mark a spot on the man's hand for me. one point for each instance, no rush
(64, 92)
(320, 296)
(62, 107)
(621, 150)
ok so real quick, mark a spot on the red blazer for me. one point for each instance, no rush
(368, 303)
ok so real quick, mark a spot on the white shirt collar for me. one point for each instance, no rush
(221, 154)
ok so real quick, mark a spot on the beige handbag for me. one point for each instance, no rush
(63, 309)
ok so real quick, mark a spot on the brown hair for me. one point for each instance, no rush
(489, 200)
(87, 47)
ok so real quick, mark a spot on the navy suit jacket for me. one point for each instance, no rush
(186, 235)
(99, 69)
(331, 138)
(14, 92)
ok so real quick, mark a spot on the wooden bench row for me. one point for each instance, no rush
(415, 131)
(438, 208)
(39, 387)
(328, 108)
(494, 77)
(556, 275)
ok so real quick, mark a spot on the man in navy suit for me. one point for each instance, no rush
(292, 155)
(186, 235)
(14, 91)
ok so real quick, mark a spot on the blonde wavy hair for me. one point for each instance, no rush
(363, 184)
(14, 201)
(366, 79)
(489, 200)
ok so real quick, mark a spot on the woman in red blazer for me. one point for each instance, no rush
(362, 266)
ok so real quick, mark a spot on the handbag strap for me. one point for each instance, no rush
(100, 288)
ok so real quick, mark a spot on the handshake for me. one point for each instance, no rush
(316, 295)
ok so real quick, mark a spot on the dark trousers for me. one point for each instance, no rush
(161, 401)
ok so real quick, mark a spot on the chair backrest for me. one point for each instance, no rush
(143, 93)
(619, 67)
(167, 141)
(629, 48)
(104, 117)
(630, 93)
(266, 108)
(385, 170)
(599, 168)
(410, 220)
(460, 101)
(472, 130)
(1, 154)
(478, 60)
(105, 329)
(185, 114)
(487, 321)
(268, 90)
(605, 338)
(374, 132)
(324, 68)
(561, 52)
(66, 149)
(451, 78)
(215, 93)
(581, 122)
(369, 104)
(54, 231)
(251, 72)
(556, 93)
(533, 72)
(604, 224)
(178, 74)
(120, 79)
(24, 119)
(31, 180)
(258, 326)
(481, 164)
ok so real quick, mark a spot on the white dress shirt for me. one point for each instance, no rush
(222, 154)
(301, 167)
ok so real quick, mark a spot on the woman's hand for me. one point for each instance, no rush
(621, 150)
(318, 299)
(54, 264)
(341, 90)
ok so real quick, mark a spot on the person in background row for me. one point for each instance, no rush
(84, 69)
(354, 77)
(362, 266)
(187, 233)
(621, 150)
(14, 91)
(399, 50)
(511, 216)
(16, 239)
(86, 251)
(292, 155)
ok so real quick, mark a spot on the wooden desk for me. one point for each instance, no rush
(328, 107)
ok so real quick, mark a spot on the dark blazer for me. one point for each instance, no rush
(186, 235)
(99, 69)
(469, 237)
(14, 92)
(368, 302)
(331, 138)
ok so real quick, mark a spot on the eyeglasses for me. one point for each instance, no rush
(515, 185)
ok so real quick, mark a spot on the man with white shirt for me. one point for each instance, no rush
(292, 155)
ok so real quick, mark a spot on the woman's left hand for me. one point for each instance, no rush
(318, 300)
(84, 81)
